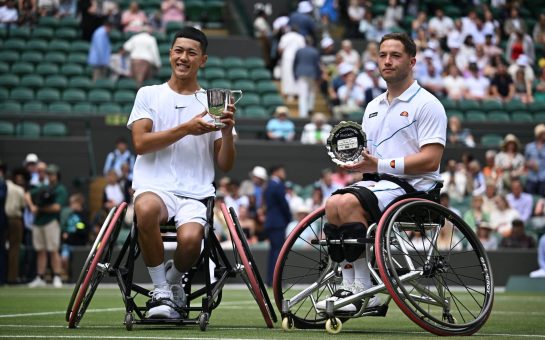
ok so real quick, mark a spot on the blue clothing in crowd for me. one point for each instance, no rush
(101, 49)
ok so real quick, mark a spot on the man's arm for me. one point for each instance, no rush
(224, 148)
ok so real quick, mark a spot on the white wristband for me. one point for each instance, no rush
(394, 166)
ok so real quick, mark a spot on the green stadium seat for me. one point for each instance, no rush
(153, 81)
(59, 45)
(109, 108)
(68, 21)
(220, 84)
(14, 44)
(22, 32)
(83, 109)
(105, 84)
(80, 82)
(124, 96)
(468, 105)
(32, 57)
(161, 37)
(211, 73)
(48, 95)
(43, 33)
(237, 74)
(27, 129)
(537, 106)
(271, 101)
(34, 107)
(266, 86)
(249, 99)
(127, 84)
(60, 107)
(255, 112)
(4, 94)
(521, 117)
(491, 140)
(515, 105)
(214, 13)
(79, 46)
(246, 86)
(48, 21)
(9, 80)
(254, 62)
(39, 45)
(475, 116)
(498, 117)
(77, 58)
(194, 10)
(116, 36)
(54, 129)
(47, 69)
(173, 26)
(55, 57)
(6, 128)
(3, 33)
(4, 67)
(73, 96)
(260, 74)
(232, 62)
(67, 33)
(56, 81)
(491, 105)
(127, 108)
(539, 117)
(164, 73)
(164, 49)
(214, 61)
(97, 96)
(22, 94)
(22, 68)
(204, 83)
(9, 56)
(71, 70)
(10, 106)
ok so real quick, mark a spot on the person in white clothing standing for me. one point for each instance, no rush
(144, 54)
(406, 133)
(177, 144)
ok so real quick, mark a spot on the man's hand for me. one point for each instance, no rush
(198, 126)
(368, 163)
(228, 119)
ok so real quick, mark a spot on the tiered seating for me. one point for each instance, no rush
(30, 129)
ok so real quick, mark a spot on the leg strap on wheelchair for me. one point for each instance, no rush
(367, 199)
(352, 230)
(335, 251)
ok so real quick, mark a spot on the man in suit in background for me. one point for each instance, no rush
(277, 217)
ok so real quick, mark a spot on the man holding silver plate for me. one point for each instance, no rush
(179, 140)
(398, 151)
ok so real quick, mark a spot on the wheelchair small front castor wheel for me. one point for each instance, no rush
(203, 321)
(287, 323)
(129, 321)
(333, 325)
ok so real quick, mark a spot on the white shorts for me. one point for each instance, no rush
(183, 209)
(385, 191)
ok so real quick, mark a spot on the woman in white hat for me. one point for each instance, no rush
(510, 161)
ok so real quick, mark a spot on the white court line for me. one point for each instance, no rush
(114, 337)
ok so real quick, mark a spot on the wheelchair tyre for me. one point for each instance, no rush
(295, 268)
(445, 287)
(101, 252)
(252, 277)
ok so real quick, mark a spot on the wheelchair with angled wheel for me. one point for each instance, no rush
(420, 254)
(213, 265)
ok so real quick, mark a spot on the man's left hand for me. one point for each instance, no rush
(367, 164)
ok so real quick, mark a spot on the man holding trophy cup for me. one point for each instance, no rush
(398, 151)
(178, 142)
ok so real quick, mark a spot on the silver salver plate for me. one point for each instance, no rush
(346, 143)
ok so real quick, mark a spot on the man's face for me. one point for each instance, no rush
(394, 63)
(186, 57)
(122, 147)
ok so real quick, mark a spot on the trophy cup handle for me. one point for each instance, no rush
(234, 93)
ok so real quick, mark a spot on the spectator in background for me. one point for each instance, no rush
(316, 199)
(502, 217)
(351, 96)
(248, 224)
(370, 54)
(520, 43)
(489, 197)
(8, 15)
(47, 7)
(75, 229)
(317, 130)
(539, 30)
(521, 201)
(254, 187)
(14, 207)
(514, 22)
(46, 203)
(355, 14)
(510, 161)
(304, 22)
(534, 153)
(100, 51)
(476, 182)
(523, 88)
(144, 53)
(326, 183)
(294, 200)
(540, 259)
(441, 24)
(518, 237)
(31, 165)
(490, 169)
(457, 135)
(444, 200)
(289, 43)
(133, 19)
(67, 8)
(349, 55)
(307, 73)
(41, 177)
(234, 198)
(281, 128)
(454, 180)
(478, 86)
(172, 10)
(117, 157)
(540, 83)
(300, 211)
(393, 14)
(475, 216)
(278, 215)
(432, 81)
(522, 63)
(502, 86)
(454, 83)
(490, 48)
(487, 236)
(263, 33)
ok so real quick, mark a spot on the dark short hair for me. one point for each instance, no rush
(193, 34)
(517, 223)
(408, 42)
(275, 168)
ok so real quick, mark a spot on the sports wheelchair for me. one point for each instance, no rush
(213, 264)
(424, 256)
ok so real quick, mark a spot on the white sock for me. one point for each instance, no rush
(362, 273)
(158, 276)
(174, 275)
(347, 269)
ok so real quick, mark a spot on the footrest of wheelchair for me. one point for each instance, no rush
(373, 311)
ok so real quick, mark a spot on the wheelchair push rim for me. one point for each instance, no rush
(93, 277)
(446, 288)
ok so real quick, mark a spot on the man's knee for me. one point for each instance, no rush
(190, 236)
(338, 203)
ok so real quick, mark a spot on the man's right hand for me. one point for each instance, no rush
(198, 126)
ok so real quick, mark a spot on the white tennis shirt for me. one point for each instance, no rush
(186, 167)
(402, 127)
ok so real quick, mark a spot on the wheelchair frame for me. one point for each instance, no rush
(419, 284)
(99, 264)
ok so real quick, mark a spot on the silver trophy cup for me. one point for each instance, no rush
(218, 99)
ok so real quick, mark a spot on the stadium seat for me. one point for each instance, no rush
(153, 81)
(255, 112)
(79, 46)
(249, 99)
(22, 32)
(55, 57)
(59, 45)
(39, 45)
(260, 74)
(515, 105)
(214, 61)
(67, 33)
(54, 129)
(266, 86)
(9, 56)
(521, 117)
(60, 108)
(271, 101)
(539, 117)
(45, 33)
(537, 106)
(97, 96)
(14, 44)
(80, 82)
(221, 84)
(48, 95)
(254, 62)
(498, 117)
(34, 107)
(194, 10)
(73, 96)
(164, 49)
(211, 73)
(214, 13)
(237, 74)
(9, 80)
(246, 86)
(161, 37)
(32, 56)
(173, 26)
(127, 84)
(109, 108)
(105, 84)
(204, 83)
(79, 58)
(127, 108)
(232, 62)
(116, 36)
(164, 73)
(56, 81)
(491, 140)
(491, 105)
(83, 108)
(6, 128)
(4, 67)
(71, 70)
(47, 69)
(468, 105)
(22, 68)
(10, 106)
(4, 94)
(48, 21)
(475, 116)
(124, 96)
(22, 94)
(68, 21)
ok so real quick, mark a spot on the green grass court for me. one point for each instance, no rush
(39, 314)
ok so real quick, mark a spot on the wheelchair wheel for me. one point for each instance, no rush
(434, 267)
(301, 263)
(251, 277)
(99, 256)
